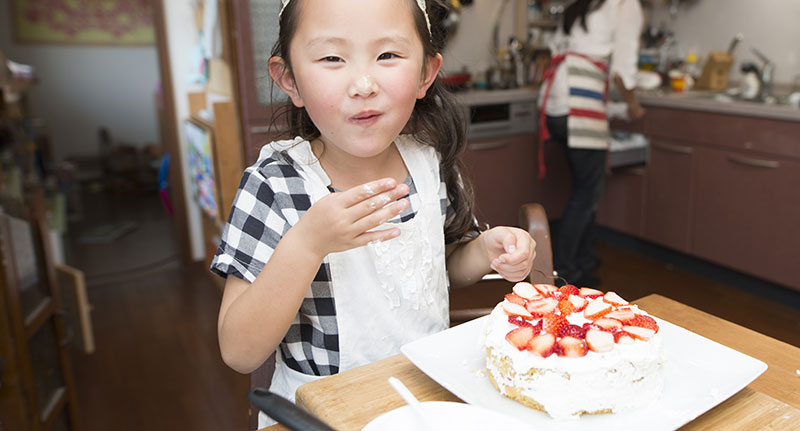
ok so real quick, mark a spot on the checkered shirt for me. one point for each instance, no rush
(272, 197)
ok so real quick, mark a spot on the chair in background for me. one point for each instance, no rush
(533, 218)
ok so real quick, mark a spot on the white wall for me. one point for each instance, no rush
(181, 38)
(471, 45)
(83, 88)
(771, 26)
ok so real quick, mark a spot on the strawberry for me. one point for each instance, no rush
(573, 347)
(537, 328)
(639, 332)
(596, 309)
(643, 322)
(578, 302)
(569, 289)
(622, 314)
(525, 290)
(546, 289)
(599, 341)
(589, 293)
(572, 331)
(613, 298)
(519, 337)
(542, 345)
(565, 307)
(551, 323)
(622, 337)
(519, 321)
(542, 306)
(516, 310)
(516, 299)
(608, 324)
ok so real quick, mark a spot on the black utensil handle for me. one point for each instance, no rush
(286, 412)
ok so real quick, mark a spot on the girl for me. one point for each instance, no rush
(573, 112)
(338, 240)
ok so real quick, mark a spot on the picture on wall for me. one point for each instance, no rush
(201, 167)
(84, 22)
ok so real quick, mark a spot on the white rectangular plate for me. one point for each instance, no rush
(700, 374)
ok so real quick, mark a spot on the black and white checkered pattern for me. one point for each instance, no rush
(272, 197)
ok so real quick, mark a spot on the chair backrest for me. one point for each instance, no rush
(533, 218)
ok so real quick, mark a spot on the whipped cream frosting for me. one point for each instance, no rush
(627, 377)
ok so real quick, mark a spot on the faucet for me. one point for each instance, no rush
(766, 76)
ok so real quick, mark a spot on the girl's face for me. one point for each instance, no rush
(358, 70)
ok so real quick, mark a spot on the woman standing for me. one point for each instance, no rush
(598, 40)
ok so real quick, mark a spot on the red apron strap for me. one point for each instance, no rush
(547, 79)
(544, 135)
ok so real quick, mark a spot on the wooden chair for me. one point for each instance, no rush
(533, 218)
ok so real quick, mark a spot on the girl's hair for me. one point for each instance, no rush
(578, 10)
(436, 118)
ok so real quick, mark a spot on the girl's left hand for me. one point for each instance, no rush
(510, 251)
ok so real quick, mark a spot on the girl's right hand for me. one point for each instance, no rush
(342, 221)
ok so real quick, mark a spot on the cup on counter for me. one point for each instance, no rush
(679, 81)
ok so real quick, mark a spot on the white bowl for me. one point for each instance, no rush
(445, 415)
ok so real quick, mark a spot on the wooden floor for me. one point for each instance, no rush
(157, 364)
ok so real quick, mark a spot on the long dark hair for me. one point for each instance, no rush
(578, 10)
(436, 119)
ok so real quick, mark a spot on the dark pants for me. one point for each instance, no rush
(573, 250)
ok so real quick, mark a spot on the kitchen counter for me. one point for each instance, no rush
(716, 102)
(486, 97)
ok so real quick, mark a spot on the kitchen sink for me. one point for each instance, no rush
(728, 97)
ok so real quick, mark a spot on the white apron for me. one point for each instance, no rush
(388, 293)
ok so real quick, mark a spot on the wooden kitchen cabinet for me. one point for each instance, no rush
(503, 175)
(746, 213)
(622, 205)
(668, 219)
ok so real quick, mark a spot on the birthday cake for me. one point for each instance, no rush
(573, 351)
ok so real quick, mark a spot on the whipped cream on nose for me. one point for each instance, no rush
(365, 86)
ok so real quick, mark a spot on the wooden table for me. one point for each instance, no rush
(349, 400)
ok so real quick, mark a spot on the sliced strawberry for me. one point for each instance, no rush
(516, 299)
(643, 321)
(613, 298)
(608, 324)
(596, 309)
(599, 341)
(578, 302)
(588, 292)
(569, 289)
(622, 314)
(525, 290)
(542, 306)
(622, 337)
(551, 323)
(537, 328)
(639, 332)
(519, 321)
(516, 310)
(519, 337)
(542, 345)
(565, 307)
(546, 289)
(574, 331)
(573, 347)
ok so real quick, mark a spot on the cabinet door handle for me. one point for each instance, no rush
(489, 145)
(673, 148)
(771, 164)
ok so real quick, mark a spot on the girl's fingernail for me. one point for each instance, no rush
(511, 248)
(395, 233)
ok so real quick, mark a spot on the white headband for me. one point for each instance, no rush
(420, 3)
